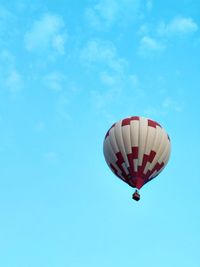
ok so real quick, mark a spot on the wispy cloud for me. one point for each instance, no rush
(98, 52)
(113, 71)
(10, 77)
(108, 78)
(50, 156)
(7, 24)
(172, 105)
(149, 5)
(178, 26)
(5, 14)
(14, 81)
(46, 33)
(166, 106)
(54, 81)
(105, 13)
(155, 38)
(39, 126)
(63, 107)
(150, 45)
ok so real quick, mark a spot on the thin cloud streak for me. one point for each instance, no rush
(106, 13)
(177, 26)
(149, 45)
(46, 33)
(10, 77)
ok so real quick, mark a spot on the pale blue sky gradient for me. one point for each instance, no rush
(68, 71)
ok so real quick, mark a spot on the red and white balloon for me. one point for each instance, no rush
(136, 149)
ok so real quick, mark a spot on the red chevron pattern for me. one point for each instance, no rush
(137, 164)
(136, 178)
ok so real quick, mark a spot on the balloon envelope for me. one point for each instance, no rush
(136, 149)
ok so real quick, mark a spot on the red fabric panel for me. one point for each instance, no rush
(139, 182)
(127, 121)
(146, 159)
(114, 170)
(157, 168)
(119, 162)
(131, 157)
(153, 124)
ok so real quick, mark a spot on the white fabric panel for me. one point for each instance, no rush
(125, 168)
(165, 152)
(150, 140)
(110, 156)
(162, 146)
(113, 140)
(165, 160)
(143, 128)
(120, 142)
(127, 138)
(158, 137)
(134, 128)
(107, 152)
(150, 145)
(166, 157)
(158, 146)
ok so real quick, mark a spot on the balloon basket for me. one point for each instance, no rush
(136, 195)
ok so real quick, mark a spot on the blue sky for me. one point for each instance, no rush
(68, 71)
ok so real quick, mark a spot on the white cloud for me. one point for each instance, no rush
(103, 12)
(114, 92)
(14, 81)
(58, 43)
(150, 45)
(108, 79)
(4, 14)
(143, 30)
(149, 5)
(171, 104)
(102, 100)
(7, 59)
(39, 126)
(152, 111)
(46, 33)
(178, 25)
(116, 84)
(115, 78)
(107, 12)
(135, 85)
(7, 23)
(50, 156)
(134, 80)
(10, 77)
(98, 52)
(54, 81)
(166, 106)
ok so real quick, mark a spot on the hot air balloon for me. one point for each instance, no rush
(136, 149)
